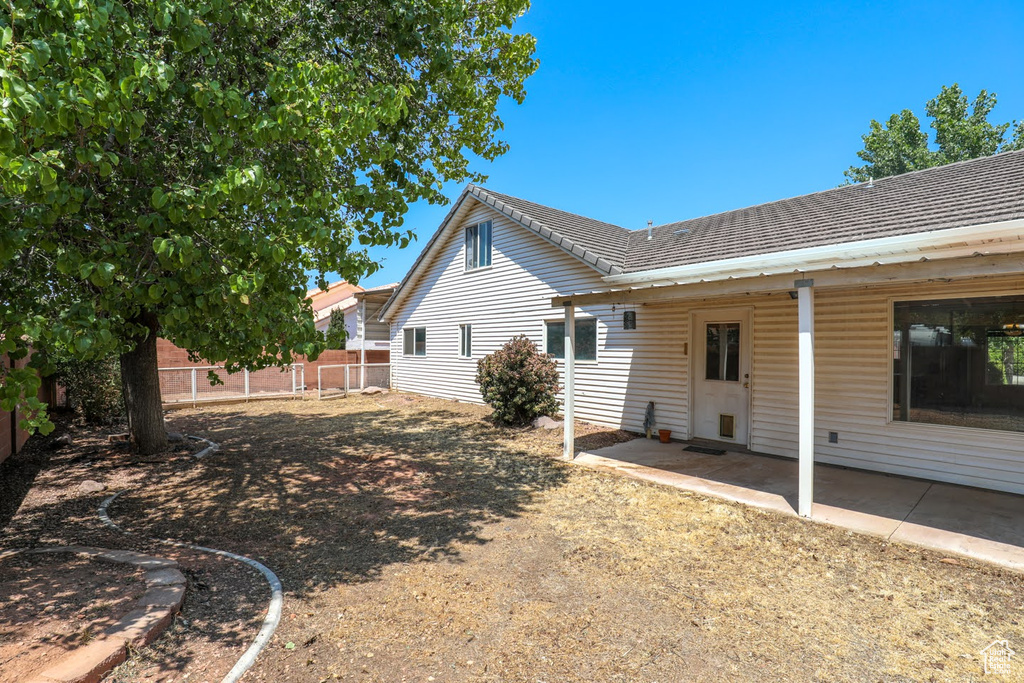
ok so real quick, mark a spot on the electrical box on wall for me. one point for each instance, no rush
(629, 320)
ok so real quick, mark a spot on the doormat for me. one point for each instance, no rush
(706, 451)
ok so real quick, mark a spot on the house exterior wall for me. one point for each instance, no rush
(853, 355)
(512, 297)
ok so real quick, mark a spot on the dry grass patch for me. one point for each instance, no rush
(418, 542)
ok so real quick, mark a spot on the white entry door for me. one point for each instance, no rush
(721, 375)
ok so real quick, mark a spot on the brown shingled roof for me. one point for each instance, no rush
(985, 190)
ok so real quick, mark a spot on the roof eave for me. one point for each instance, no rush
(889, 249)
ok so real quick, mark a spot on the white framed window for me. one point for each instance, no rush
(586, 338)
(414, 341)
(466, 341)
(959, 362)
(478, 245)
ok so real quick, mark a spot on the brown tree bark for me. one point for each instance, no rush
(141, 385)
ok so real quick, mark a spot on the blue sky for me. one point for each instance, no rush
(667, 111)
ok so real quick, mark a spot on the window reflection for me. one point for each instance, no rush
(960, 362)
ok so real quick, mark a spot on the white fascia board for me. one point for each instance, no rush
(898, 249)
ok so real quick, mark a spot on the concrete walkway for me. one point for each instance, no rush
(983, 525)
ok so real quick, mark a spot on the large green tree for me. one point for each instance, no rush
(962, 131)
(174, 168)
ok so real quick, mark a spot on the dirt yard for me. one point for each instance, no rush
(417, 542)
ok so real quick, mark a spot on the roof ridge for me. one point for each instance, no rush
(886, 179)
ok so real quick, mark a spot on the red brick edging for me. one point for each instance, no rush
(153, 613)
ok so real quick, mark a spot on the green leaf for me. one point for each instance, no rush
(47, 176)
(6, 37)
(41, 50)
(159, 199)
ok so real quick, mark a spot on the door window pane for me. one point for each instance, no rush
(722, 352)
(960, 362)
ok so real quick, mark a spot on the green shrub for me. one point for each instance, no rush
(93, 388)
(336, 333)
(519, 382)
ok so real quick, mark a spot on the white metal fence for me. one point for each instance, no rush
(191, 385)
(333, 381)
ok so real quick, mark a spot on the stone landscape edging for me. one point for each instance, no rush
(273, 617)
(153, 613)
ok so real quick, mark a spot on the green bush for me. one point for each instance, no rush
(336, 332)
(519, 382)
(93, 388)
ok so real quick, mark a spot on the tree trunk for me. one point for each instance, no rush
(141, 385)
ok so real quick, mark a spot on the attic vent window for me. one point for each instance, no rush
(683, 231)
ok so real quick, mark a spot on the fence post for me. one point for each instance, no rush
(193, 387)
(302, 381)
(348, 374)
(319, 383)
(293, 380)
(362, 366)
(246, 384)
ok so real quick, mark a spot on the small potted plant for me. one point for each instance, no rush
(664, 435)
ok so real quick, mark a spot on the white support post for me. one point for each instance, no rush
(194, 388)
(294, 384)
(362, 366)
(246, 384)
(805, 301)
(569, 410)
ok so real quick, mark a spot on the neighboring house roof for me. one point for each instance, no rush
(344, 305)
(966, 193)
(335, 292)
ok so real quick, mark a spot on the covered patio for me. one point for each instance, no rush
(960, 520)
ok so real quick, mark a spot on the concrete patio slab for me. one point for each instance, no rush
(983, 525)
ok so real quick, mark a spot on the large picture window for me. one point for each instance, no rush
(586, 339)
(478, 245)
(960, 362)
(414, 341)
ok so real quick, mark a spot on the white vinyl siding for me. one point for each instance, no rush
(651, 363)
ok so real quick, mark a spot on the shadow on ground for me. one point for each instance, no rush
(327, 497)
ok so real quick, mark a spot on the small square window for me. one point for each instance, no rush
(586, 339)
(478, 245)
(414, 341)
(466, 341)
